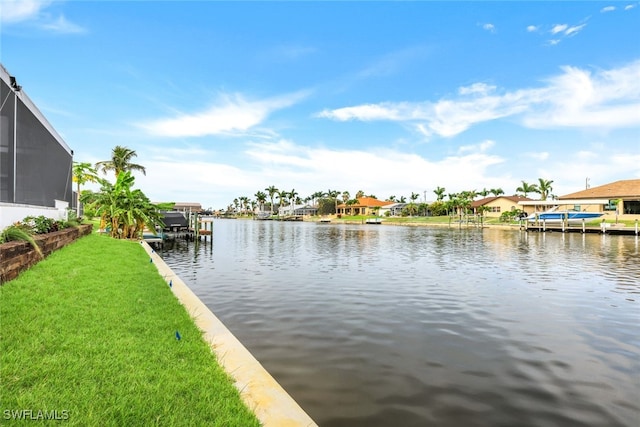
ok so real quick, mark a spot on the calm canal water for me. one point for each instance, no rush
(369, 325)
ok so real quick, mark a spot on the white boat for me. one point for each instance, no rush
(554, 215)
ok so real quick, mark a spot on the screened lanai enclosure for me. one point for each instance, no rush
(35, 162)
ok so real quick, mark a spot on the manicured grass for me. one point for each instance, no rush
(91, 330)
(419, 219)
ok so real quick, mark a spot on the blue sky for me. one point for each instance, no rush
(223, 99)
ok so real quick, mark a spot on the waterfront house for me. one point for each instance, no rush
(496, 206)
(623, 197)
(392, 209)
(297, 210)
(187, 207)
(364, 206)
(35, 162)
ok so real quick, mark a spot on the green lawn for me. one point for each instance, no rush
(90, 333)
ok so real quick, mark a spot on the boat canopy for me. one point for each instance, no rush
(564, 202)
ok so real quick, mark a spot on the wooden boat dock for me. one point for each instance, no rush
(603, 228)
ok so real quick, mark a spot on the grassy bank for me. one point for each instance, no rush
(90, 333)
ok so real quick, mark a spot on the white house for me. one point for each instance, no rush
(297, 210)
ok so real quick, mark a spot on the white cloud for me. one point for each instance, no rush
(572, 31)
(559, 28)
(477, 148)
(33, 12)
(62, 25)
(190, 175)
(451, 117)
(489, 27)
(232, 114)
(608, 9)
(575, 98)
(21, 10)
(194, 181)
(310, 169)
(561, 31)
(368, 112)
(532, 28)
(566, 30)
(476, 88)
(542, 155)
(601, 166)
(579, 98)
(629, 6)
(585, 155)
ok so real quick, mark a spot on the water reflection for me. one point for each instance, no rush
(381, 325)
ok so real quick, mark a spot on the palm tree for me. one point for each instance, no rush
(527, 188)
(544, 188)
(464, 202)
(292, 196)
(439, 193)
(496, 191)
(345, 196)
(83, 173)
(469, 194)
(414, 197)
(244, 203)
(272, 191)
(120, 161)
(411, 209)
(261, 198)
(359, 194)
(481, 210)
(282, 199)
(484, 192)
(125, 210)
(334, 195)
(391, 198)
(452, 203)
(350, 203)
(316, 196)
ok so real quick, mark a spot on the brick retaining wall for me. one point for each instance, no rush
(18, 256)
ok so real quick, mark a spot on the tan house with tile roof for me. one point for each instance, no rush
(496, 206)
(365, 206)
(187, 207)
(625, 192)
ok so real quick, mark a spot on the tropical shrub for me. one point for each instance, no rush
(17, 232)
(42, 224)
(512, 215)
(125, 211)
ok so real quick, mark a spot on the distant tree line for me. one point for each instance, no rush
(272, 198)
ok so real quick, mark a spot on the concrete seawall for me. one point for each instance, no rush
(273, 406)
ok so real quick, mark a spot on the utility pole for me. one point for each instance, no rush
(586, 183)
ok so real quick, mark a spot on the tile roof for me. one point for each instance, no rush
(486, 200)
(368, 202)
(618, 189)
